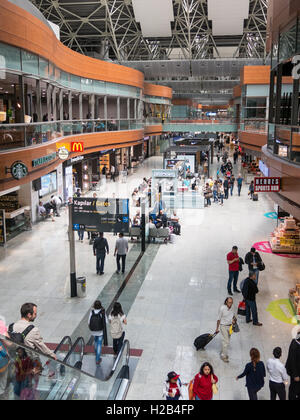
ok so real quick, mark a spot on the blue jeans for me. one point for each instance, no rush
(239, 189)
(98, 347)
(197, 398)
(81, 235)
(256, 271)
(100, 262)
(221, 197)
(215, 196)
(231, 189)
(233, 277)
(251, 307)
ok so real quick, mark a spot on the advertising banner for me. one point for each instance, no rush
(101, 214)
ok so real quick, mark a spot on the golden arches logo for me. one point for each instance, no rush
(77, 146)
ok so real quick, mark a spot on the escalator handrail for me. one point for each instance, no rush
(73, 348)
(66, 338)
(126, 345)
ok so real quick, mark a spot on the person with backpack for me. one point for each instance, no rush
(172, 387)
(23, 332)
(100, 248)
(249, 291)
(255, 373)
(97, 325)
(254, 261)
(116, 319)
(204, 383)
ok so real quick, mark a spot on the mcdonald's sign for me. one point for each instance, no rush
(77, 146)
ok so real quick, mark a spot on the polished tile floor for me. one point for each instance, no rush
(175, 293)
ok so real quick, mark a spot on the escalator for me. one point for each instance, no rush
(73, 376)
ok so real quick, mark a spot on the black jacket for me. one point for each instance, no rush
(100, 246)
(250, 290)
(249, 259)
(293, 360)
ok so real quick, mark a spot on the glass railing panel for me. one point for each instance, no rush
(112, 125)
(11, 136)
(30, 375)
(256, 125)
(124, 124)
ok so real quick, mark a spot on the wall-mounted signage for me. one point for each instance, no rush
(63, 153)
(77, 146)
(267, 184)
(43, 159)
(263, 168)
(77, 159)
(19, 170)
(101, 214)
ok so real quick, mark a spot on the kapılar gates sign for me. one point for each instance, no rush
(100, 214)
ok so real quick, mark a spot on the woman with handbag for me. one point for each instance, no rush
(205, 383)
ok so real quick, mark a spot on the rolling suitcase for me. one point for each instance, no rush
(202, 341)
(255, 197)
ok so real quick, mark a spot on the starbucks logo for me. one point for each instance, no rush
(19, 170)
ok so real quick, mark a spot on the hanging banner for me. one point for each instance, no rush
(101, 214)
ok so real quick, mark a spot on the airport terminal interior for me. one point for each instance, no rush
(150, 200)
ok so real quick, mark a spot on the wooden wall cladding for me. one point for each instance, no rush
(290, 180)
(251, 140)
(237, 91)
(153, 130)
(280, 14)
(156, 90)
(20, 29)
(178, 101)
(92, 143)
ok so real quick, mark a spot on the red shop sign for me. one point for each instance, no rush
(267, 184)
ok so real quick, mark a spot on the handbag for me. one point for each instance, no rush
(261, 266)
(214, 387)
(235, 328)
(242, 308)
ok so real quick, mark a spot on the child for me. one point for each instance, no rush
(172, 387)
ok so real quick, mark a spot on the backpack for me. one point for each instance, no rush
(116, 329)
(96, 322)
(19, 338)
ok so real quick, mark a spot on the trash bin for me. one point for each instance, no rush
(81, 287)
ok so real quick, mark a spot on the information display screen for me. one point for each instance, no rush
(49, 184)
(101, 214)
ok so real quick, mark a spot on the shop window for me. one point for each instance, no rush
(256, 102)
(10, 57)
(30, 63)
(75, 82)
(87, 85)
(65, 78)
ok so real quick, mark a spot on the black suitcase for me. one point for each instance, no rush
(202, 341)
(255, 197)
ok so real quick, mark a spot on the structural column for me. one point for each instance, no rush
(128, 112)
(118, 112)
(38, 100)
(49, 92)
(70, 117)
(92, 106)
(54, 108)
(80, 105)
(105, 111)
(61, 105)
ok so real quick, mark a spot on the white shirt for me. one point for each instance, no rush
(56, 200)
(225, 315)
(276, 371)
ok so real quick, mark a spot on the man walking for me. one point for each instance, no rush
(293, 368)
(226, 187)
(121, 250)
(226, 318)
(234, 266)
(239, 184)
(250, 291)
(100, 248)
(278, 376)
(31, 334)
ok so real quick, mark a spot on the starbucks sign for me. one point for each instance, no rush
(19, 170)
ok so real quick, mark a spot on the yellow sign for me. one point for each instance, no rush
(65, 145)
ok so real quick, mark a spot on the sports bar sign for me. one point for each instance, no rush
(267, 184)
(100, 214)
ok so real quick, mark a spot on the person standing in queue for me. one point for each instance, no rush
(100, 248)
(121, 250)
(255, 373)
(293, 368)
(203, 383)
(250, 291)
(233, 265)
(226, 318)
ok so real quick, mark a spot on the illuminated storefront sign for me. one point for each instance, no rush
(77, 146)
(267, 184)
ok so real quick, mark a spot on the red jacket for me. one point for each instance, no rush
(203, 386)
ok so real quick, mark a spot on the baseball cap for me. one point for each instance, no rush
(173, 375)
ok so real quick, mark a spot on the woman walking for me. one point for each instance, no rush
(97, 325)
(204, 382)
(255, 373)
(116, 319)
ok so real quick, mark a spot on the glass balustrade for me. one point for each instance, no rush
(13, 136)
(256, 125)
(284, 142)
